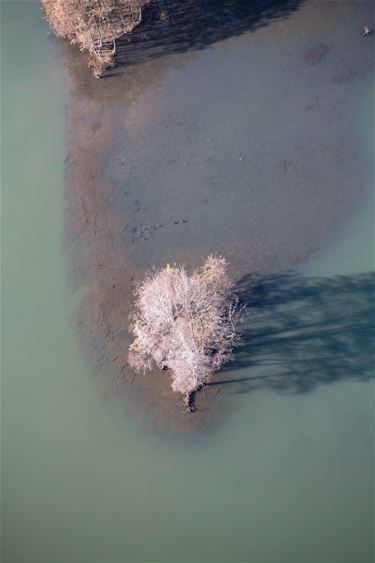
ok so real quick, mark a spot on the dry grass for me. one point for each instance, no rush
(94, 25)
(186, 324)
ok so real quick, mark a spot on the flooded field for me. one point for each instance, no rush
(250, 134)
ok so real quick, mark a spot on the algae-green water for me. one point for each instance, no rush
(288, 474)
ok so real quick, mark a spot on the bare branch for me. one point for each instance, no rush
(94, 25)
(185, 323)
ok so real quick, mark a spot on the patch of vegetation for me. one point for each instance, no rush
(94, 25)
(186, 324)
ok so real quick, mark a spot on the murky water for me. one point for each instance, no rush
(254, 139)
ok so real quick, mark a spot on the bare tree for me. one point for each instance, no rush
(186, 324)
(94, 25)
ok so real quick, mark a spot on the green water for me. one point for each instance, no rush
(286, 476)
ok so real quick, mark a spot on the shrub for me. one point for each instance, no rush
(186, 324)
(94, 25)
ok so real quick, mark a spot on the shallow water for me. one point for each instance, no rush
(284, 472)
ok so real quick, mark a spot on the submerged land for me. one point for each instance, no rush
(216, 140)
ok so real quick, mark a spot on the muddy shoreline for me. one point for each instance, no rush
(123, 215)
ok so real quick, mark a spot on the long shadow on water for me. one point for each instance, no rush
(176, 26)
(301, 332)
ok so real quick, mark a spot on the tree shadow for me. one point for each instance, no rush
(176, 26)
(301, 332)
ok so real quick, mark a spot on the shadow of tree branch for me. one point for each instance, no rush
(176, 26)
(301, 332)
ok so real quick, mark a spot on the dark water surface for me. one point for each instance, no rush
(249, 133)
